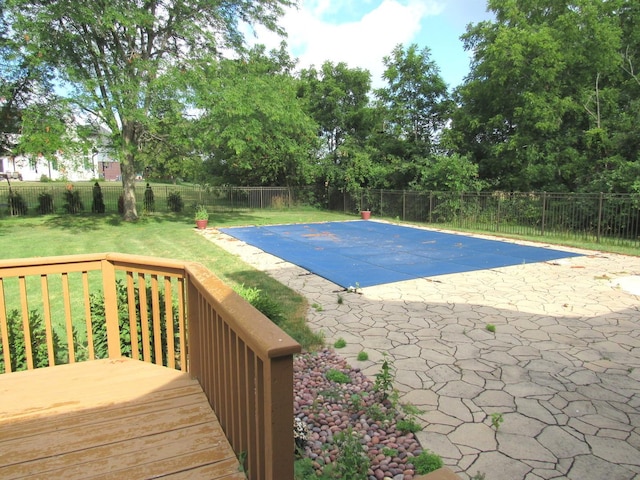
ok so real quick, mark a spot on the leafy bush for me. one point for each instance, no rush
(17, 205)
(337, 376)
(352, 461)
(45, 203)
(73, 203)
(427, 462)
(263, 303)
(99, 324)
(175, 202)
(38, 337)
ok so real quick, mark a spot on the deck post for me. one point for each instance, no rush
(278, 385)
(111, 308)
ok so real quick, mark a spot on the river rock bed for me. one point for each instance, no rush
(327, 407)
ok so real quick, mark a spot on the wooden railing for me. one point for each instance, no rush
(82, 307)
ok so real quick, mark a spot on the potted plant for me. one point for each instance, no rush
(202, 217)
(365, 214)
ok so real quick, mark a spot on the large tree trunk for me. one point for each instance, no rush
(129, 189)
(128, 170)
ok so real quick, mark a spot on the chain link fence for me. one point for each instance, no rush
(599, 218)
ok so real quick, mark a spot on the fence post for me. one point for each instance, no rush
(600, 216)
(498, 214)
(404, 205)
(544, 209)
(380, 212)
(430, 205)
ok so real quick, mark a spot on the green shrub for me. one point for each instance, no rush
(149, 200)
(337, 376)
(17, 205)
(427, 462)
(99, 324)
(263, 303)
(98, 199)
(340, 343)
(73, 203)
(174, 202)
(38, 337)
(352, 461)
(45, 203)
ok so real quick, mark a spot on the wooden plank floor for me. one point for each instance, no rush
(110, 419)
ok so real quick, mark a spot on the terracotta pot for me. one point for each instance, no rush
(201, 224)
(365, 214)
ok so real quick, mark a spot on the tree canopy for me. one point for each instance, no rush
(551, 102)
(112, 54)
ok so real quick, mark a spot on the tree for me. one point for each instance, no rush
(252, 124)
(111, 54)
(415, 100)
(544, 104)
(336, 96)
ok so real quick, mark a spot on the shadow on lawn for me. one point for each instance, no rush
(90, 222)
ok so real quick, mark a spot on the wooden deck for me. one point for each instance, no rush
(110, 419)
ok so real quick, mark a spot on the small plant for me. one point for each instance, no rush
(340, 343)
(383, 384)
(45, 203)
(337, 376)
(427, 462)
(408, 425)
(174, 202)
(353, 289)
(363, 356)
(496, 420)
(491, 327)
(300, 434)
(340, 299)
(389, 452)
(201, 213)
(352, 461)
(478, 476)
(317, 307)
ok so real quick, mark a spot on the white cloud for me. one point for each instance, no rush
(359, 43)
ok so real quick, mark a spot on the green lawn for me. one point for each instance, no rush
(169, 236)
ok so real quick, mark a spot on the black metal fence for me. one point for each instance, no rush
(612, 219)
(58, 198)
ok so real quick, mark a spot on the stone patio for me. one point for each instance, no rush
(562, 369)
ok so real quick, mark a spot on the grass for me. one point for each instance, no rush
(169, 236)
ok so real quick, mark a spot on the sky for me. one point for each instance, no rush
(361, 32)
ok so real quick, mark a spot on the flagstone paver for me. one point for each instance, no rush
(563, 366)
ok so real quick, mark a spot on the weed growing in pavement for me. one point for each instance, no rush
(340, 343)
(491, 327)
(478, 476)
(340, 299)
(363, 356)
(496, 420)
(317, 307)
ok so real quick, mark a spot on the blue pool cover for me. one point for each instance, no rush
(366, 253)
